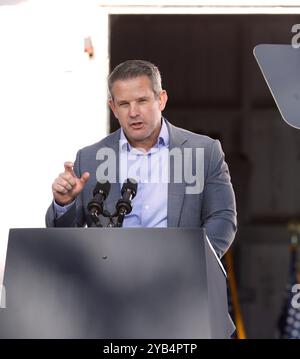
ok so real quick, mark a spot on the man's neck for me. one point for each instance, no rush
(144, 146)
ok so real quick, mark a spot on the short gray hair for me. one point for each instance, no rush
(135, 68)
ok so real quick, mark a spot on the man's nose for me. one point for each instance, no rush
(133, 110)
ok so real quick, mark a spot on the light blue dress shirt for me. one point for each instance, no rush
(150, 170)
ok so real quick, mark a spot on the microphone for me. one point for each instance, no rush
(95, 206)
(124, 206)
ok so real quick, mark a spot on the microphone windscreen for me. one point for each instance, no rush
(102, 186)
(130, 184)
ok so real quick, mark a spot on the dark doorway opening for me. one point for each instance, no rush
(215, 88)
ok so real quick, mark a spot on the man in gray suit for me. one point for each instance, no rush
(197, 192)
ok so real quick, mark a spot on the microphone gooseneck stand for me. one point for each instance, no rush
(123, 206)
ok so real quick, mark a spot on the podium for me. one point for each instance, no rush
(113, 283)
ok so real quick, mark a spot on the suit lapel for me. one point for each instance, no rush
(176, 191)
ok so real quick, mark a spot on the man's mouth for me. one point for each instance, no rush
(136, 125)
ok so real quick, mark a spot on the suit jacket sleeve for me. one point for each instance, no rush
(219, 209)
(74, 217)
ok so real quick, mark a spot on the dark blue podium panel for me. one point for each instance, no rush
(113, 283)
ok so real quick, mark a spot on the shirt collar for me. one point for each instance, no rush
(163, 138)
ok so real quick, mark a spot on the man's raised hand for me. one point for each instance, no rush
(67, 185)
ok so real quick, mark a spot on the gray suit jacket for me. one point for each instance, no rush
(213, 208)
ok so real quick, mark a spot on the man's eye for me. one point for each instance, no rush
(142, 100)
(123, 104)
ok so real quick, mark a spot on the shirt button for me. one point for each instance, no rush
(146, 207)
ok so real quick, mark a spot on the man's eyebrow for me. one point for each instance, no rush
(119, 102)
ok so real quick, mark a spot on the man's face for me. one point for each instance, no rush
(138, 110)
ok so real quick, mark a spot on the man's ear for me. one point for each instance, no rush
(112, 107)
(163, 98)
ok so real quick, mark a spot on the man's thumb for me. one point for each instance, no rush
(84, 178)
